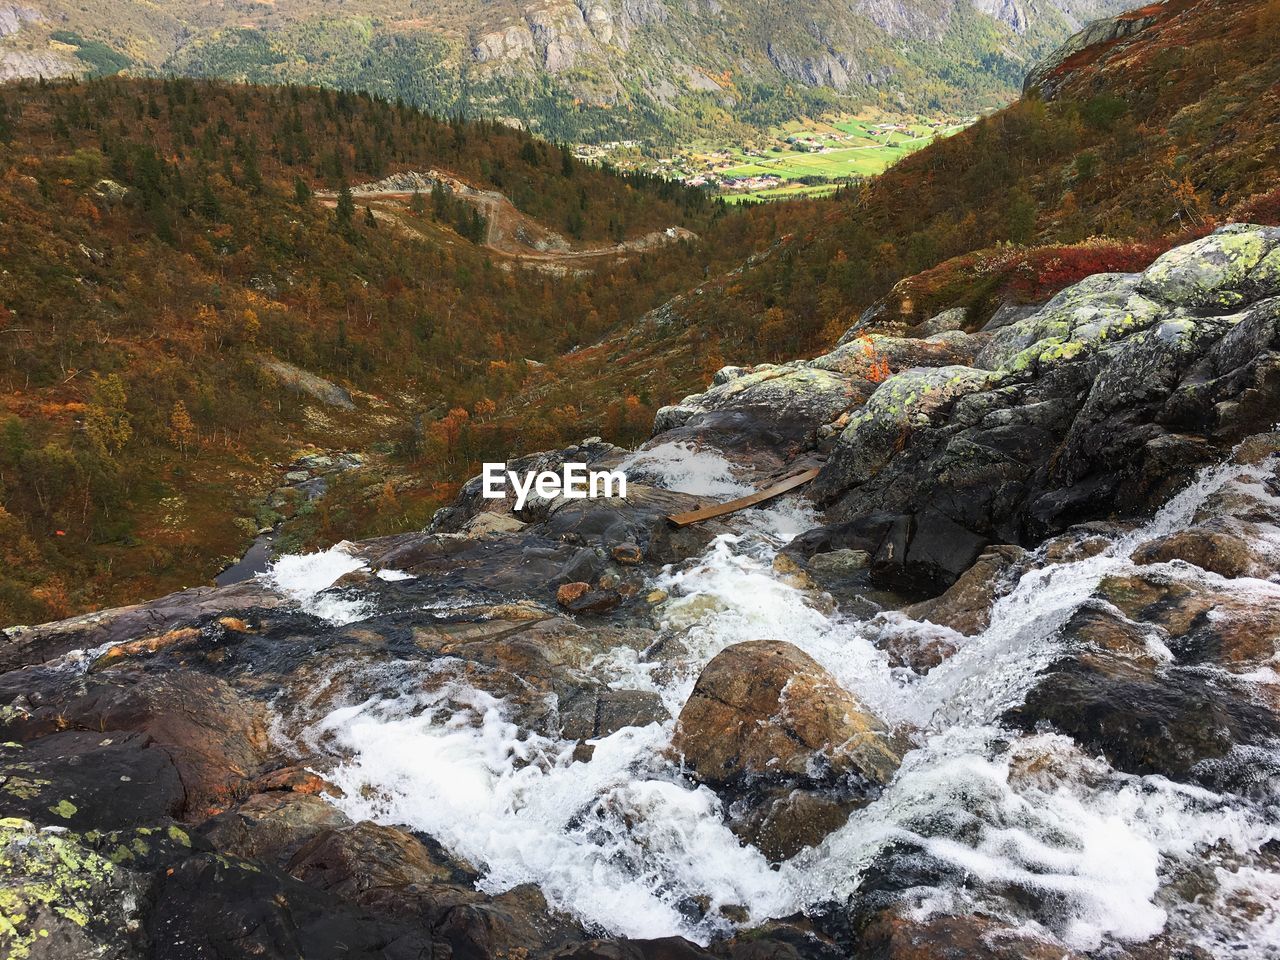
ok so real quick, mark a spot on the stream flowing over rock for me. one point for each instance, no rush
(999, 683)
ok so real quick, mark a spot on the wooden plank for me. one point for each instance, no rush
(760, 496)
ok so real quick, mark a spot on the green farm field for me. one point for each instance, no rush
(832, 151)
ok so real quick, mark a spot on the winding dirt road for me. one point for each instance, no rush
(511, 234)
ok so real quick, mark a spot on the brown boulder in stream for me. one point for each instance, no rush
(767, 710)
(1215, 547)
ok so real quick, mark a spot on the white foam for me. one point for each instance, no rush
(305, 577)
(618, 841)
(683, 468)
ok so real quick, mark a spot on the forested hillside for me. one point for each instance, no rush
(162, 238)
(163, 248)
(663, 71)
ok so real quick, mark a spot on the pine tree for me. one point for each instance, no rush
(345, 213)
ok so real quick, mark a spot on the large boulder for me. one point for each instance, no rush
(1102, 307)
(766, 710)
(901, 404)
(1234, 265)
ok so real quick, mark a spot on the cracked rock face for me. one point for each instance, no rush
(1106, 398)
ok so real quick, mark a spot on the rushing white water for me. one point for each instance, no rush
(305, 577)
(684, 468)
(1052, 840)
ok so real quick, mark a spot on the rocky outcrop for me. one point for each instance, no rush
(1102, 401)
(308, 383)
(12, 17)
(1049, 75)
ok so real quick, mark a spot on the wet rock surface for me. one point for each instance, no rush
(893, 729)
(765, 709)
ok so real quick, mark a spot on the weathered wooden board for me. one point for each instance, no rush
(760, 496)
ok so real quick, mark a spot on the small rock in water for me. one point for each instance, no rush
(791, 573)
(572, 592)
(628, 554)
(966, 606)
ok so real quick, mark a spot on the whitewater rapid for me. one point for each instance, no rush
(626, 844)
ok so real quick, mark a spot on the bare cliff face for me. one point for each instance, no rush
(15, 60)
(821, 43)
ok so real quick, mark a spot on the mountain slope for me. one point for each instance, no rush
(1146, 138)
(606, 69)
(181, 309)
(1149, 140)
(1193, 94)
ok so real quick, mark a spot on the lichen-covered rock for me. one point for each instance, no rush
(803, 397)
(1102, 403)
(1102, 307)
(62, 900)
(873, 358)
(1215, 274)
(953, 319)
(902, 403)
(213, 737)
(491, 524)
(839, 563)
